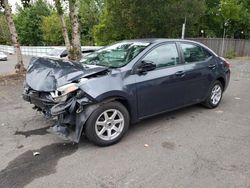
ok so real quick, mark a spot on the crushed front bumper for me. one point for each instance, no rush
(71, 114)
(42, 101)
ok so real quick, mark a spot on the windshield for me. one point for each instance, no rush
(116, 55)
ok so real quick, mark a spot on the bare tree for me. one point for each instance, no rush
(75, 51)
(14, 37)
(59, 9)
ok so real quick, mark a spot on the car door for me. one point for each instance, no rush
(200, 70)
(160, 89)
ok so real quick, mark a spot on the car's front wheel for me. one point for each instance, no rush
(215, 95)
(107, 124)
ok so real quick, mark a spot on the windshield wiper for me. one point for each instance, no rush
(98, 64)
(113, 67)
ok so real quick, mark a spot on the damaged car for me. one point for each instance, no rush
(123, 83)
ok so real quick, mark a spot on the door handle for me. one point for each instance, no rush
(211, 66)
(180, 73)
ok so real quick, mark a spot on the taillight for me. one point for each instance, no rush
(226, 63)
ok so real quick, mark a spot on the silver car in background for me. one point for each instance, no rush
(3, 56)
(57, 53)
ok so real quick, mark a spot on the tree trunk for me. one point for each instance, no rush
(65, 32)
(7, 11)
(75, 52)
(59, 9)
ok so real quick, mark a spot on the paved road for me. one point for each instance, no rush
(192, 147)
(8, 67)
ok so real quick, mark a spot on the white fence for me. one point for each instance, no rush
(38, 50)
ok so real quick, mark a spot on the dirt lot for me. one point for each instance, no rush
(192, 147)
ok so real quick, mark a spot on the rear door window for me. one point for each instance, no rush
(194, 53)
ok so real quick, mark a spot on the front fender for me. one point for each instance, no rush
(113, 94)
(82, 117)
(129, 99)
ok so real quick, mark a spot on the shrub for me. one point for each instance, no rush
(231, 54)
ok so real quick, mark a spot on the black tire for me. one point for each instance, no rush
(208, 102)
(90, 126)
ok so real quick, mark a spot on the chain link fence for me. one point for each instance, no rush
(38, 50)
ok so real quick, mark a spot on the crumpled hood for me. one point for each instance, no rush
(45, 74)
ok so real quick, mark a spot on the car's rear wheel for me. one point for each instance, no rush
(108, 124)
(215, 96)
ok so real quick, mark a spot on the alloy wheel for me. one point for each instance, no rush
(216, 94)
(109, 124)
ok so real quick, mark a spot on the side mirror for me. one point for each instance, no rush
(146, 66)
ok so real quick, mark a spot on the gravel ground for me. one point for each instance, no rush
(192, 147)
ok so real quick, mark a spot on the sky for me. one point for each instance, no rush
(13, 4)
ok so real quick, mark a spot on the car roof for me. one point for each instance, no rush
(158, 40)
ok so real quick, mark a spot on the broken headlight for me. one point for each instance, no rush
(68, 88)
(61, 94)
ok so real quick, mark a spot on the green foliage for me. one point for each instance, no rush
(106, 21)
(28, 23)
(52, 30)
(232, 15)
(58, 6)
(145, 18)
(4, 31)
(89, 14)
(231, 54)
(230, 10)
